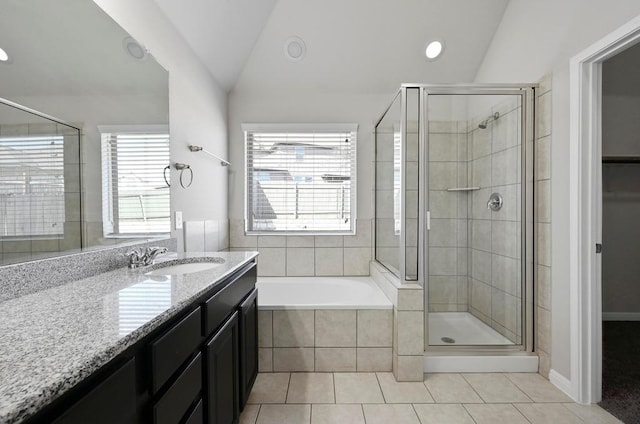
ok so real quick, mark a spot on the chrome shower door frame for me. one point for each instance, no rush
(527, 94)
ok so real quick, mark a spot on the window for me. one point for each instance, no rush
(32, 186)
(300, 178)
(135, 197)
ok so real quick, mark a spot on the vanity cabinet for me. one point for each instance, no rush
(196, 368)
(248, 322)
(223, 374)
(113, 400)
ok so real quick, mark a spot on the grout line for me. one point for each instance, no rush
(364, 416)
(356, 340)
(464, 406)
(413, 406)
(472, 388)
(333, 381)
(380, 387)
(273, 351)
(424, 379)
(519, 389)
(258, 414)
(288, 386)
(520, 412)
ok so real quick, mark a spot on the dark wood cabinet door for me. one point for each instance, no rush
(248, 320)
(196, 416)
(222, 374)
(111, 401)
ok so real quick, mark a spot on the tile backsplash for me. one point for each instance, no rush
(307, 255)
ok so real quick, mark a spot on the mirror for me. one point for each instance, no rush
(69, 60)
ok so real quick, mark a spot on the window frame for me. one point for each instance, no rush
(308, 128)
(108, 227)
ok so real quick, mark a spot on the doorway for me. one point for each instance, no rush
(586, 209)
(621, 235)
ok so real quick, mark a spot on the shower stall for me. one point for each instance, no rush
(454, 211)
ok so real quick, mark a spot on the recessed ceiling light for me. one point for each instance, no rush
(4, 57)
(295, 49)
(434, 49)
(135, 49)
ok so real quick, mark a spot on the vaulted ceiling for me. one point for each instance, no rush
(221, 32)
(352, 45)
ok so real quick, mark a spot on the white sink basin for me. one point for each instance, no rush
(186, 268)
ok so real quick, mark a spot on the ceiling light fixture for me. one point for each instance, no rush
(295, 49)
(4, 57)
(134, 49)
(434, 49)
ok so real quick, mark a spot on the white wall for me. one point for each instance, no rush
(533, 39)
(197, 108)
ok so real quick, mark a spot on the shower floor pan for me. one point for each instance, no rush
(467, 330)
(462, 328)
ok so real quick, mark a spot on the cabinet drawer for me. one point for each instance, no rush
(112, 401)
(197, 415)
(176, 401)
(223, 303)
(170, 350)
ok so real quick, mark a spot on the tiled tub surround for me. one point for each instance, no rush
(30, 277)
(324, 324)
(408, 323)
(307, 255)
(52, 339)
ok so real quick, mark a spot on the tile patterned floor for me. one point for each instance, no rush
(376, 398)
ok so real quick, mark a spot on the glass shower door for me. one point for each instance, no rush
(476, 190)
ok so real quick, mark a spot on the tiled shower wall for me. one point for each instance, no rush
(495, 236)
(21, 249)
(448, 240)
(307, 255)
(543, 225)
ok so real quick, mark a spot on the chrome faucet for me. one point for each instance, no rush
(138, 258)
(151, 253)
(135, 257)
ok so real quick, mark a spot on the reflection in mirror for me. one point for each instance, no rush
(39, 185)
(387, 183)
(70, 60)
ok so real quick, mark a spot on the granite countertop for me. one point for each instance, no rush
(53, 339)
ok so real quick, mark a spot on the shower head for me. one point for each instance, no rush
(483, 125)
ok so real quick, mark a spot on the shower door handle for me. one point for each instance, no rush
(598, 247)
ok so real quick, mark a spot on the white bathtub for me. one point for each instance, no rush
(320, 293)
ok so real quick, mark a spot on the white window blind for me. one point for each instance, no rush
(32, 186)
(134, 193)
(300, 179)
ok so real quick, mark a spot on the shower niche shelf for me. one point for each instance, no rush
(463, 189)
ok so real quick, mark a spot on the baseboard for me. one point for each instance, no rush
(621, 316)
(561, 382)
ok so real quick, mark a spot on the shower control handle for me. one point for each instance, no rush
(495, 202)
